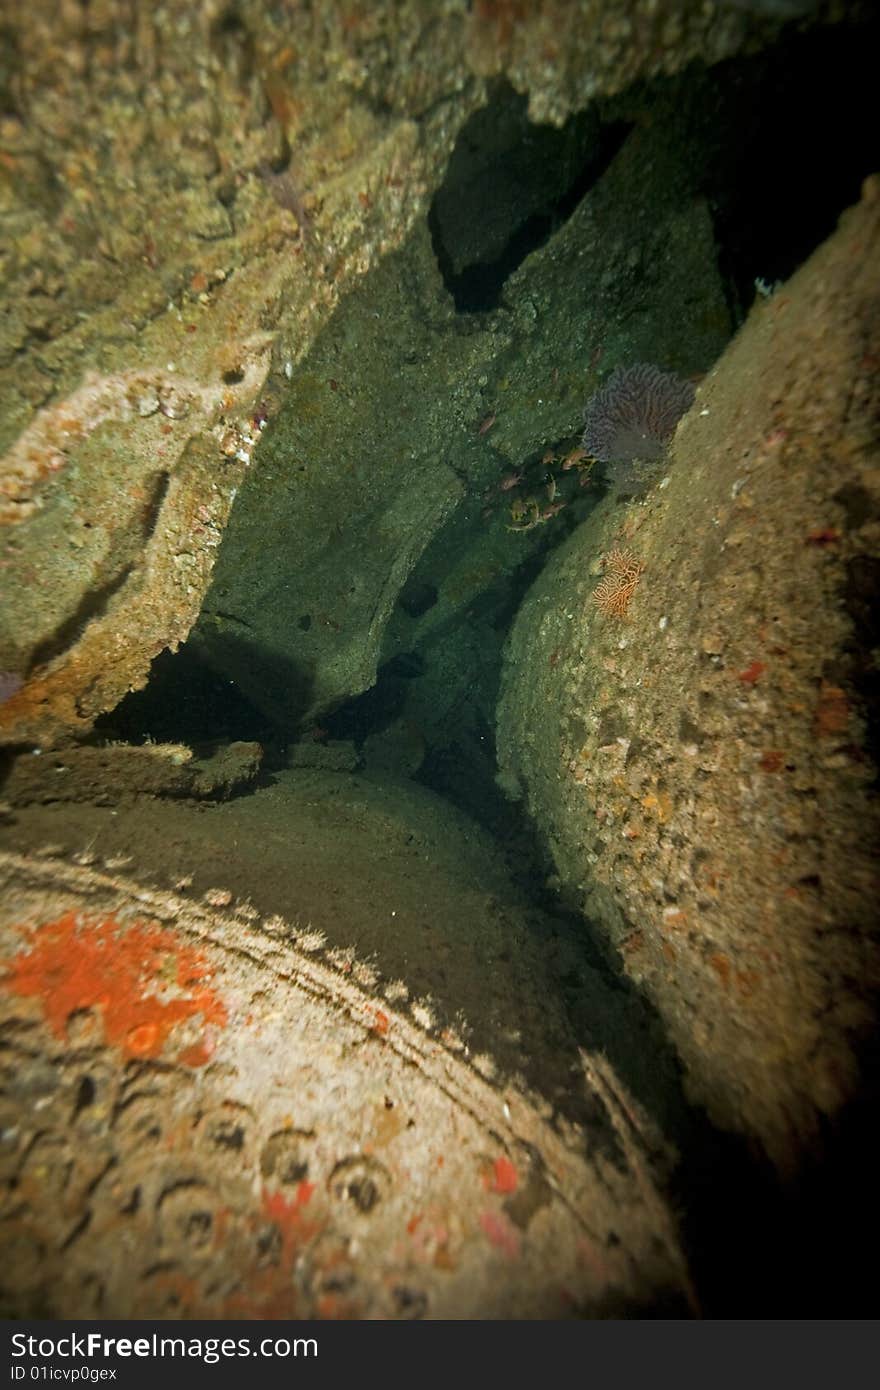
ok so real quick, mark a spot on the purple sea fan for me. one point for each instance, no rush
(634, 415)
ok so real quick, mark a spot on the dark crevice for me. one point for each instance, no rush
(79, 1229)
(509, 186)
(85, 1096)
(185, 701)
(776, 165)
(154, 504)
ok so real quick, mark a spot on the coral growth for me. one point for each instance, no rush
(633, 416)
(622, 573)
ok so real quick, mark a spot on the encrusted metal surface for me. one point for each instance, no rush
(201, 1117)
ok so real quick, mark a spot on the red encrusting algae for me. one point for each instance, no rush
(287, 1212)
(504, 1176)
(752, 673)
(139, 976)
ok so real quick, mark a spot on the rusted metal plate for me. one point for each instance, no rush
(201, 1117)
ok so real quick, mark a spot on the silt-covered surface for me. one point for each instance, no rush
(701, 766)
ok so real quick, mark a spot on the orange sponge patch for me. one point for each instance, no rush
(139, 976)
